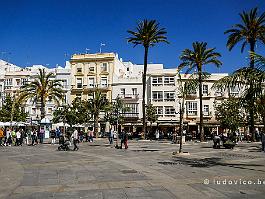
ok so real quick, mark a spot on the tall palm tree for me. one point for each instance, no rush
(97, 104)
(195, 59)
(148, 34)
(250, 31)
(44, 87)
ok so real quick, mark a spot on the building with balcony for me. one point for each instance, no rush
(165, 97)
(91, 71)
(12, 77)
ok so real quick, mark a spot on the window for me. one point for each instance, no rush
(79, 70)
(33, 111)
(79, 83)
(104, 67)
(49, 110)
(133, 108)
(169, 96)
(104, 82)
(91, 69)
(169, 81)
(192, 92)
(24, 81)
(205, 90)
(122, 91)
(157, 81)
(78, 96)
(159, 110)
(91, 82)
(234, 90)
(169, 111)
(64, 83)
(157, 96)
(134, 91)
(18, 82)
(219, 92)
(205, 109)
(9, 82)
(191, 108)
(64, 99)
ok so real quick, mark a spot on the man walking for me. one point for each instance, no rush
(75, 139)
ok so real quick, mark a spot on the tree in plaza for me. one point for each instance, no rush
(82, 110)
(251, 83)
(97, 104)
(44, 87)
(229, 114)
(250, 31)
(260, 88)
(151, 116)
(12, 110)
(148, 34)
(116, 113)
(66, 114)
(185, 87)
(195, 59)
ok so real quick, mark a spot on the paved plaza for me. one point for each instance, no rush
(146, 170)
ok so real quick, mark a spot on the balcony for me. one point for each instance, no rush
(130, 115)
(129, 96)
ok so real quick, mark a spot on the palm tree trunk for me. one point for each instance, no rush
(252, 104)
(96, 125)
(144, 88)
(201, 113)
(42, 109)
(181, 112)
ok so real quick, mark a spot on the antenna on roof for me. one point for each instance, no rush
(101, 44)
(87, 49)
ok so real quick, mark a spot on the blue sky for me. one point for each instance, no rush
(47, 32)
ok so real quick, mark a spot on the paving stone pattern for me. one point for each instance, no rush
(146, 170)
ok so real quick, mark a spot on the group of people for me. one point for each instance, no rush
(19, 136)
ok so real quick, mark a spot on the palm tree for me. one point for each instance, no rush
(185, 87)
(195, 59)
(97, 104)
(44, 87)
(251, 82)
(148, 34)
(250, 31)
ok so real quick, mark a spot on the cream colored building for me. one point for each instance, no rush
(91, 71)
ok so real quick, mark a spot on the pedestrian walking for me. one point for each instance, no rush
(27, 135)
(18, 138)
(126, 140)
(41, 135)
(122, 137)
(91, 135)
(53, 136)
(14, 136)
(34, 138)
(157, 134)
(75, 139)
(1, 137)
(111, 133)
(8, 138)
(263, 141)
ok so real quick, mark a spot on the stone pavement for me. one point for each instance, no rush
(146, 170)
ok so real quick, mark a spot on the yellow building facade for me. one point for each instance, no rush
(89, 72)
